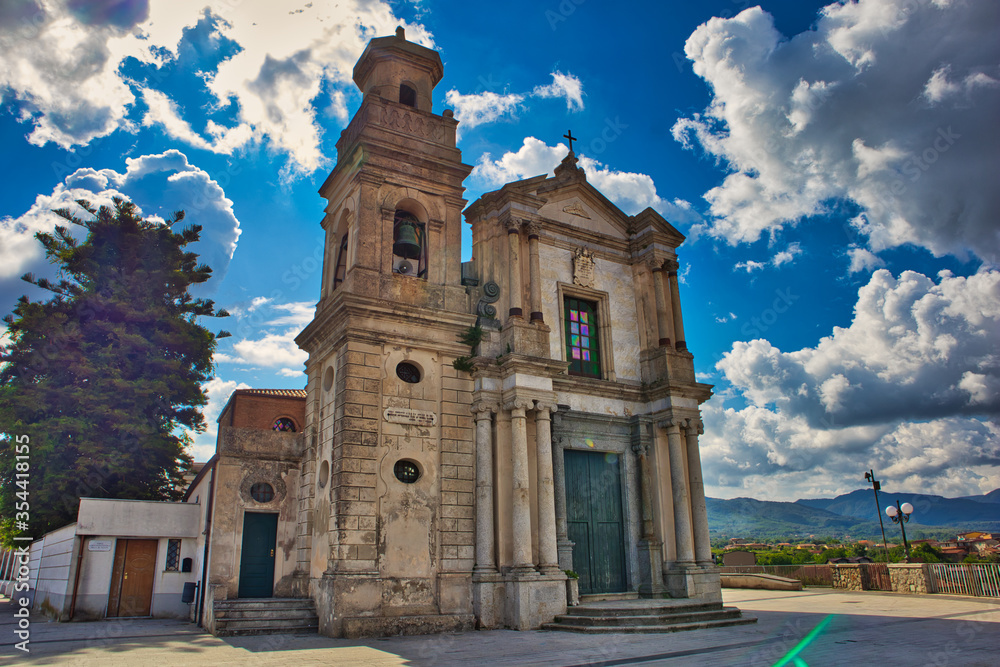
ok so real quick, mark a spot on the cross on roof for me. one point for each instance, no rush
(569, 135)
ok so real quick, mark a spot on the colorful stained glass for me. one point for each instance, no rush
(586, 355)
(574, 341)
(585, 329)
(576, 353)
(584, 342)
(575, 328)
(583, 317)
(573, 316)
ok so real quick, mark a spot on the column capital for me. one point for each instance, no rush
(672, 265)
(545, 409)
(521, 404)
(695, 425)
(670, 424)
(533, 228)
(640, 448)
(513, 225)
(654, 264)
(484, 409)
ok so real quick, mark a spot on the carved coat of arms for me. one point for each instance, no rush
(583, 267)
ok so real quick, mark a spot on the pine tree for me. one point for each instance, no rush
(102, 377)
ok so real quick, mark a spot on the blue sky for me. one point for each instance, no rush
(834, 168)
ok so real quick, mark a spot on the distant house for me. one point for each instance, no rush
(850, 559)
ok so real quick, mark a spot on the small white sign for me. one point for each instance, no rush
(99, 545)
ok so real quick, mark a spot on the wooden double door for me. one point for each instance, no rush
(595, 521)
(132, 578)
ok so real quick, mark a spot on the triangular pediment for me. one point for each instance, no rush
(649, 219)
(581, 205)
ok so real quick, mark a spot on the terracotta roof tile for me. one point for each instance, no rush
(280, 393)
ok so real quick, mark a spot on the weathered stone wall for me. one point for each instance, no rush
(847, 577)
(909, 578)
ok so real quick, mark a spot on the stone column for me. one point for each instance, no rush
(548, 557)
(675, 299)
(485, 559)
(514, 259)
(563, 545)
(678, 483)
(656, 271)
(521, 513)
(642, 453)
(650, 547)
(699, 512)
(534, 273)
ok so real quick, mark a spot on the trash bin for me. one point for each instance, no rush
(190, 588)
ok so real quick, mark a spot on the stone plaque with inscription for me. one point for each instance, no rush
(407, 416)
(583, 267)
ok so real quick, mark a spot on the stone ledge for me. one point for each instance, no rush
(363, 626)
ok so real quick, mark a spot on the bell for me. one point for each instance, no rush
(407, 244)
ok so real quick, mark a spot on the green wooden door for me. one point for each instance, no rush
(594, 520)
(257, 557)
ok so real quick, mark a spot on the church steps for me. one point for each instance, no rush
(647, 617)
(265, 616)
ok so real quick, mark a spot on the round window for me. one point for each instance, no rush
(262, 492)
(328, 379)
(408, 372)
(324, 473)
(283, 424)
(406, 472)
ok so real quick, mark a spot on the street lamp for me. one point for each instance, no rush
(901, 514)
(870, 477)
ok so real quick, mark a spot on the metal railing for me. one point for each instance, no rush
(978, 579)
(809, 574)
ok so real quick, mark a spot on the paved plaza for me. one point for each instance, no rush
(869, 628)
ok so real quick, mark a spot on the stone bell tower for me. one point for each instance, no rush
(386, 535)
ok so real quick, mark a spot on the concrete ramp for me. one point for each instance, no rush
(768, 582)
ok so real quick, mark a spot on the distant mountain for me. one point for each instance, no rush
(852, 514)
(928, 510)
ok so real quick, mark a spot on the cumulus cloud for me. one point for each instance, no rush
(158, 184)
(915, 376)
(566, 86)
(863, 259)
(62, 61)
(631, 191)
(479, 108)
(890, 104)
(271, 330)
(218, 392)
(488, 107)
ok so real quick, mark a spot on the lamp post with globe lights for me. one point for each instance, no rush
(901, 514)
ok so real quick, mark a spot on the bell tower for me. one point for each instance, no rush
(386, 539)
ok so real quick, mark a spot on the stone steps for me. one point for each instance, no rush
(265, 616)
(647, 618)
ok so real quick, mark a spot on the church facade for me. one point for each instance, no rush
(437, 494)
(469, 432)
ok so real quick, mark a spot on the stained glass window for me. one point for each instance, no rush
(582, 349)
(283, 424)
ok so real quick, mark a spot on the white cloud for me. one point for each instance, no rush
(299, 313)
(292, 372)
(749, 266)
(157, 184)
(272, 350)
(479, 108)
(489, 107)
(863, 259)
(631, 191)
(63, 65)
(916, 374)
(890, 104)
(787, 255)
(567, 86)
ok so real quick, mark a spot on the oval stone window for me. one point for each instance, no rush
(262, 492)
(406, 472)
(408, 372)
